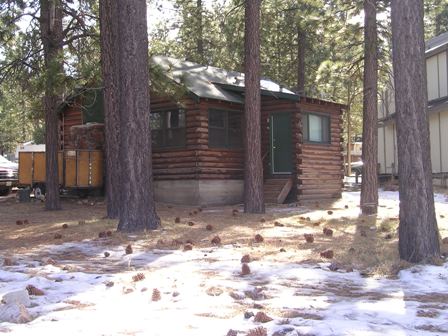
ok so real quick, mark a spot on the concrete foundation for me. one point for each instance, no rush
(199, 192)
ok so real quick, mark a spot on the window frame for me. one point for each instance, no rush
(226, 128)
(164, 129)
(322, 116)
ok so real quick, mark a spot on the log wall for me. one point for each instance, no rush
(320, 166)
(72, 116)
(317, 168)
(196, 160)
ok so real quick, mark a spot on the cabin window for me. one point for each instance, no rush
(316, 128)
(168, 128)
(224, 129)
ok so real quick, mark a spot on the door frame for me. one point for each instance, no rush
(271, 142)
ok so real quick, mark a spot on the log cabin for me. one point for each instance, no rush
(197, 139)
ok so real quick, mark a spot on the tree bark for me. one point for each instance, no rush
(253, 170)
(52, 36)
(109, 66)
(349, 131)
(200, 36)
(369, 186)
(418, 232)
(138, 211)
(301, 50)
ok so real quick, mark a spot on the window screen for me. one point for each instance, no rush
(168, 128)
(316, 128)
(224, 129)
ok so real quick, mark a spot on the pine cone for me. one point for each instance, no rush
(138, 277)
(109, 233)
(262, 220)
(327, 232)
(278, 224)
(209, 227)
(19, 222)
(156, 295)
(329, 212)
(65, 226)
(177, 220)
(176, 242)
(34, 290)
(260, 331)
(246, 259)
(128, 249)
(259, 238)
(309, 237)
(8, 262)
(232, 332)
(245, 269)
(190, 223)
(262, 317)
(216, 240)
(329, 254)
(102, 234)
(48, 261)
(57, 236)
(106, 254)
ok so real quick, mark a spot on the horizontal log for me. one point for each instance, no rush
(175, 171)
(225, 164)
(173, 153)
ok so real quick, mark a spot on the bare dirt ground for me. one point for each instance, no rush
(368, 244)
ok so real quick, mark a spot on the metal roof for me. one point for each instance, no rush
(434, 106)
(206, 81)
(436, 42)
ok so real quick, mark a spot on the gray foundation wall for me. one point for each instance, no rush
(199, 192)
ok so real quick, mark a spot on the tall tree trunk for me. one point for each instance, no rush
(109, 66)
(138, 212)
(51, 36)
(349, 131)
(253, 170)
(369, 187)
(301, 50)
(200, 33)
(418, 232)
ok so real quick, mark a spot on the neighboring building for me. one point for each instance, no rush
(437, 81)
(29, 147)
(198, 155)
(355, 152)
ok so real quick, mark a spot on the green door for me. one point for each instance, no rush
(281, 143)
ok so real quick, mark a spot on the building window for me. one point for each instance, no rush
(168, 128)
(224, 129)
(316, 128)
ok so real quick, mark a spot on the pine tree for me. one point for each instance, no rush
(418, 232)
(253, 170)
(369, 187)
(125, 29)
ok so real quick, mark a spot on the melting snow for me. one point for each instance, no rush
(203, 293)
